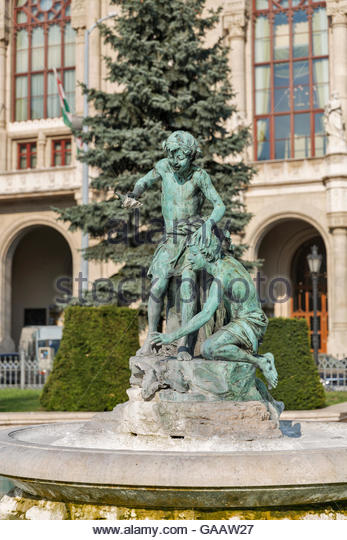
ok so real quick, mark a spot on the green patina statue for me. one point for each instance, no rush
(226, 368)
(184, 189)
(238, 339)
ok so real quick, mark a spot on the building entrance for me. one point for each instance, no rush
(41, 257)
(283, 248)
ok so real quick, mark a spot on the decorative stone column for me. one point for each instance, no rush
(336, 185)
(338, 337)
(4, 37)
(41, 151)
(79, 23)
(235, 25)
(6, 342)
(95, 59)
(337, 10)
(3, 45)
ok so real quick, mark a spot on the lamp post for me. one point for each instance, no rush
(85, 168)
(314, 260)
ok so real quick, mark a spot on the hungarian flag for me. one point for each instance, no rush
(65, 109)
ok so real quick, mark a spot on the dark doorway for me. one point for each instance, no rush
(42, 256)
(35, 317)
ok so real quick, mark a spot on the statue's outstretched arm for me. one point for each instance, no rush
(145, 182)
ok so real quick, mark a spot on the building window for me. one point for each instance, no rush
(291, 78)
(43, 40)
(26, 155)
(61, 152)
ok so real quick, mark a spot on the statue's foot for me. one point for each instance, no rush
(146, 349)
(183, 353)
(267, 365)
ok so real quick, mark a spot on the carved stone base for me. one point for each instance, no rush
(197, 399)
(244, 421)
(193, 400)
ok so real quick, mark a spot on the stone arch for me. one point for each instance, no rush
(271, 214)
(268, 218)
(9, 241)
(277, 238)
(9, 235)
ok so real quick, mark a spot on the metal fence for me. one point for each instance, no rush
(333, 372)
(19, 370)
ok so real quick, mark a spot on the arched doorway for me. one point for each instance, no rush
(286, 286)
(41, 256)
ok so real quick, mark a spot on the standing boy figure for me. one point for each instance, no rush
(185, 186)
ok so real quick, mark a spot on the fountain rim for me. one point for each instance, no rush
(5, 438)
(182, 479)
(168, 468)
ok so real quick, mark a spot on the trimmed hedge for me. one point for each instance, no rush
(90, 371)
(299, 385)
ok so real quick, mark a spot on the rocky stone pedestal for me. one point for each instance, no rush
(246, 421)
(197, 379)
(196, 399)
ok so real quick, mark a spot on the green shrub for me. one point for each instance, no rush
(299, 386)
(90, 371)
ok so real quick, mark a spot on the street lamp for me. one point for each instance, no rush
(314, 260)
(85, 169)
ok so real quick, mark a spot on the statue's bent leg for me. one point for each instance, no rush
(188, 296)
(224, 346)
(155, 304)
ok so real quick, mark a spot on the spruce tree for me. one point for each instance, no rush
(168, 79)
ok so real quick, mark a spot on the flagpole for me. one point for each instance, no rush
(85, 167)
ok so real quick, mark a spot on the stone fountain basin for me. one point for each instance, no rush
(308, 466)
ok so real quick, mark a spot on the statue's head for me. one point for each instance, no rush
(200, 255)
(181, 148)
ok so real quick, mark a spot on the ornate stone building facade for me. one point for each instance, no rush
(287, 57)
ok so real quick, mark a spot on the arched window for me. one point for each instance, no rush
(43, 40)
(291, 78)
